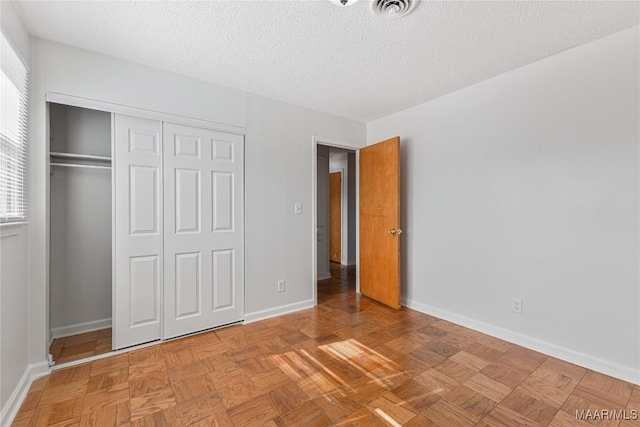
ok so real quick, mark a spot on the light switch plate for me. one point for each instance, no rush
(297, 208)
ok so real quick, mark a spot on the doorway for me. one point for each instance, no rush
(377, 187)
(80, 215)
(335, 197)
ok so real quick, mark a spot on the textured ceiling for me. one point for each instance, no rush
(345, 61)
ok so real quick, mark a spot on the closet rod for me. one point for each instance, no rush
(78, 156)
(75, 165)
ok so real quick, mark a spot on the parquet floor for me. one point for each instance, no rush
(81, 346)
(349, 361)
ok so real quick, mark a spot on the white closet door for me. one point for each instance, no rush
(138, 227)
(203, 229)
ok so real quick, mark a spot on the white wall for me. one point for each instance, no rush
(13, 306)
(13, 261)
(344, 161)
(14, 30)
(527, 185)
(338, 163)
(79, 130)
(80, 250)
(277, 155)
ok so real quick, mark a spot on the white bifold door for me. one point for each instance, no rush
(137, 290)
(181, 189)
(203, 229)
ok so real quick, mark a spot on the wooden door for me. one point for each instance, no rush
(335, 216)
(380, 222)
(203, 229)
(138, 226)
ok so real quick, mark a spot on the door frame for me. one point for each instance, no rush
(337, 143)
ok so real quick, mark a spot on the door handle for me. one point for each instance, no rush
(393, 231)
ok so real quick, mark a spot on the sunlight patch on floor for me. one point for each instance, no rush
(388, 418)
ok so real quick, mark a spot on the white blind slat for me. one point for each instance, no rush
(13, 134)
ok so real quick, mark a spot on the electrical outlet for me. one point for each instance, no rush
(516, 305)
(280, 285)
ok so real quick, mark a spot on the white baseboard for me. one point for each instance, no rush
(31, 373)
(324, 276)
(277, 311)
(80, 328)
(622, 372)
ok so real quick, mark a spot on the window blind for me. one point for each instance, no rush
(13, 134)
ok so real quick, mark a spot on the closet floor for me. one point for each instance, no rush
(81, 346)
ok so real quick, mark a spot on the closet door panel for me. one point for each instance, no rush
(222, 197)
(143, 192)
(203, 206)
(223, 278)
(187, 200)
(138, 244)
(188, 284)
(144, 279)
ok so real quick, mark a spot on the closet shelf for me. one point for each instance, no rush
(72, 156)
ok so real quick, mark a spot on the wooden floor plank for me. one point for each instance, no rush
(81, 346)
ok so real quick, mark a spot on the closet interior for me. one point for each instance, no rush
(80, 233)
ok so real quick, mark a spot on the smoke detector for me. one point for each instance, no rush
(392, 9)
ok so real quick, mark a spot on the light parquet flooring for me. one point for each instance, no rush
(349, 361)
(81, 346)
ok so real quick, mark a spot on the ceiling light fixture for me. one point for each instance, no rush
(392, 9)
(389, 9)
(343, 3)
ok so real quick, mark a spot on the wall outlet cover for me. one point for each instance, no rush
(516, 305)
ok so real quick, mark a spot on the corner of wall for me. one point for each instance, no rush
(31, 373)
(14, 29)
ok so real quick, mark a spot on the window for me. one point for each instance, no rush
(13, 134)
